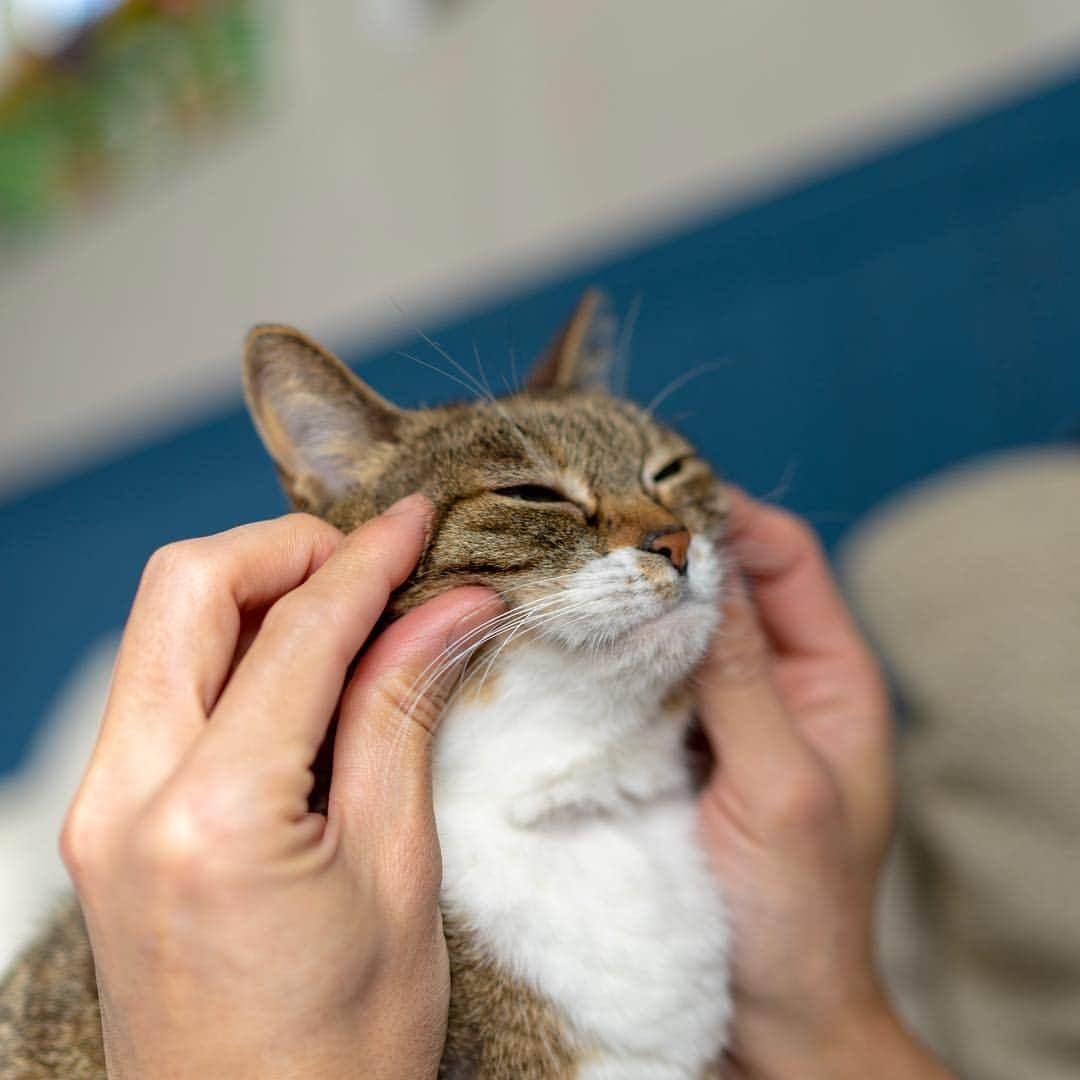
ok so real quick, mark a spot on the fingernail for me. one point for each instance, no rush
(415, 503)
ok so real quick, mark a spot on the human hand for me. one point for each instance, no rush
(234, 932)
(797, 814)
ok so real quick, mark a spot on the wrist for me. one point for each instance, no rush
(868, 1039)
(381, 1043)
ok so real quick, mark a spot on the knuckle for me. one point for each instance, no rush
(294, 612)
(300, 614)
(397, 700)
(187, 844)
(80, 843)
(168, 842)
(304, 522)
(311, 532)
(803, 535)
(741, 656)
(184, 564)
(807, 802)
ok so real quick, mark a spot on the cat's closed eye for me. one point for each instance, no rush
(671, 469)
(535, 493)
(538, 494)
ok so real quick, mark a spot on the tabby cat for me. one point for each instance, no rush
(587, 936)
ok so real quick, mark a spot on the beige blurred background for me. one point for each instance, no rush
(421, 156)
(864, 214)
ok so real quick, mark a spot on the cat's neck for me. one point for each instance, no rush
(551, 736)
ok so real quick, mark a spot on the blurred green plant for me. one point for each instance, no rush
(124, 97)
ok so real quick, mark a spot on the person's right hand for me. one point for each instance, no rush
(235, 933)
(797, 814)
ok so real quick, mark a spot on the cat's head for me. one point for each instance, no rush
(596, 523)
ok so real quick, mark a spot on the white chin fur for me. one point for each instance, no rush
(631, 611)
(569, 826)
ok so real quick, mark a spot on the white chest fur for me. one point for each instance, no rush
(570, 844)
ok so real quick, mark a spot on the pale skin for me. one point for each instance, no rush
(237, 934)
(798, 815)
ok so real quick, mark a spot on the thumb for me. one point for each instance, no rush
(756, 743)
(392, 704)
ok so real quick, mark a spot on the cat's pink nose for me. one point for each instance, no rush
(672, 545)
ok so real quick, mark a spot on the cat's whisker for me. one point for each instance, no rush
(535, 615)
(572, 606)
(482, 391)
(681, 380)
(469, 644)
(515, 612)
(473, 391)
(470, 383)
(510, 623)
(531, 623)
(482, 373)
(529, 445)
(621, 379)
(782, 486)
(541, 607)
(445, 662)
(451, 655)
(476, 389)
(493, 659)
(515, 377)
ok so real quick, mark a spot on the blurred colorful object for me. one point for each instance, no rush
(96, 91)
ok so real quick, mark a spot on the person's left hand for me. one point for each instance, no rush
(234, 932)
(797, 814)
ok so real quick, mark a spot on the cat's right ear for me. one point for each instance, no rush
(581, 356)
(315, 417)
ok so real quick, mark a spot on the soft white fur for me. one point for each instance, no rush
(568, 827)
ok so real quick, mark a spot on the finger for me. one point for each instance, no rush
(182, 634)
(800, 606)
(287, 686)
(821, 659)
(381, 783)
(759, 750)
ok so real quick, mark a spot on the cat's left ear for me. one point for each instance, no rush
(583, 352)
(317, 419)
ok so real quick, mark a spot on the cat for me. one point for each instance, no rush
(588, 937)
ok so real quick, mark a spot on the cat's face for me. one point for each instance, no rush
(594, 522)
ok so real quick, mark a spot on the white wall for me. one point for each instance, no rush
(517, 134)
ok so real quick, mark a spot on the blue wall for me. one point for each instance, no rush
(871, 328)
